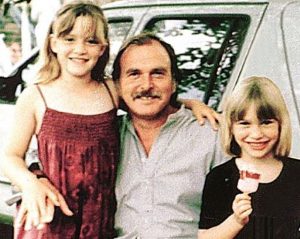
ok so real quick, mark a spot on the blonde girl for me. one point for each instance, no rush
(256, 132)
(72, 112)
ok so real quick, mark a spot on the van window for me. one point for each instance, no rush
(207, 49)
(118, 31)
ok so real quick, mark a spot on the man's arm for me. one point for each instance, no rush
(35, 167)
(201, 111)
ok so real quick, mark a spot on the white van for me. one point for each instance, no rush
(218, 43)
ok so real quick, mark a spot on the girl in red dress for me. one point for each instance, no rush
(72, 112)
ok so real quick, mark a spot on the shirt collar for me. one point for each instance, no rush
(170, 120)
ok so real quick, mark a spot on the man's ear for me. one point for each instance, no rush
(174, 86)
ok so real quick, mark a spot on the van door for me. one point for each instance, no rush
(290, 34)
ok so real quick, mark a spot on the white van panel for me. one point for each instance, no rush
(269, 53)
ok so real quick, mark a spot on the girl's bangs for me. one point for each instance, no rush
(264, 109)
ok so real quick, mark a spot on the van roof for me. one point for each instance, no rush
(142, 3)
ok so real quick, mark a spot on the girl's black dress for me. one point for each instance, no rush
(276, 205)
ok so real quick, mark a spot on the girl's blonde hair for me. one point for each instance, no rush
(269, 104)
(62, 25)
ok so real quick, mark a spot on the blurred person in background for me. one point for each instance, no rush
(15, 52)
(5, 63)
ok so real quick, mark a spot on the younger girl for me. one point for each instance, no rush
(256, 131)
(72, 111)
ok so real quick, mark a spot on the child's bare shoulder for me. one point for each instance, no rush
(29, 96)
(112, 87)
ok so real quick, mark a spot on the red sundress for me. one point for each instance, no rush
(79, 155)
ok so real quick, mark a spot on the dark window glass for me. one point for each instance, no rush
(118, 31)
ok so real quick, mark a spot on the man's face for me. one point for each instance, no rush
(145, 82)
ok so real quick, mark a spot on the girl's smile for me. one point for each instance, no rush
(78, 51)
(257, 138)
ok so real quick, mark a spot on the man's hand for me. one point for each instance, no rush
(38, 202)
(201, 111)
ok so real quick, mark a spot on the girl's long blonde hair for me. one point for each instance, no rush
(63, 25)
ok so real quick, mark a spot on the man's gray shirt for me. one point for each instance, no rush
(159, 195)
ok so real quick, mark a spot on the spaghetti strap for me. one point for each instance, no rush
(40, 91)
(110, 94)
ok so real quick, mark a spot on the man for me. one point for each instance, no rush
(165, 154)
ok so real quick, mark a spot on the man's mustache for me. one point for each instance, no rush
(146, 93)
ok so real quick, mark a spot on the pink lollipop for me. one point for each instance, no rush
(248, 182)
